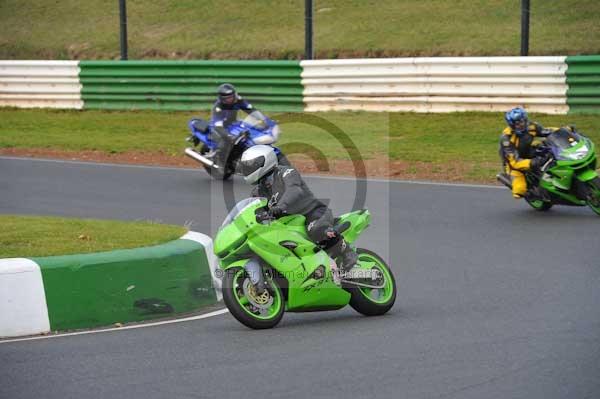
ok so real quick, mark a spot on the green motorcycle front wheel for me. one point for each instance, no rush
(594, 195)
(373, 301)
(538, 204)
(257, 311)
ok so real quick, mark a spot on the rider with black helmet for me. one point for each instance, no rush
(229, 102)
(224, 113)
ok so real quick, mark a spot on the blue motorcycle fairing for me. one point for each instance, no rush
(235, 129)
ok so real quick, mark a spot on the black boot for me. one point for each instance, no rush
(348, 258)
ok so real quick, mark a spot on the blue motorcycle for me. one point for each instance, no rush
(255, 129)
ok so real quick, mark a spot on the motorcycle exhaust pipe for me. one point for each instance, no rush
(194, 155)
(504, 179)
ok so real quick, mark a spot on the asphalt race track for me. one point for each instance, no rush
(495, 300)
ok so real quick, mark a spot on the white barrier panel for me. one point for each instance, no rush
(213, 261)
(436, 84)
(49, 84)
(23, 309)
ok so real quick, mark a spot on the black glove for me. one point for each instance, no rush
(276, 211)
(331, 233)
(263, 216)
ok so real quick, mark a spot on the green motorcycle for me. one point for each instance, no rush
(569, 177)
(270, 266)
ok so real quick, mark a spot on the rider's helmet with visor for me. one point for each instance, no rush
(257, 162)
(517, 120)
(227, 94)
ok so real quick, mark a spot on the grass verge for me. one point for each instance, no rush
(199, 29)
(455, 146)
(28, 236)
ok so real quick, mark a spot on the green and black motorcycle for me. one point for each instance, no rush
(270, 266)
(569, 177)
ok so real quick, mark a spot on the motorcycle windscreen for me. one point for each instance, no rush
(568, 146)
(256, 120)
(241, 207)
(563, 139)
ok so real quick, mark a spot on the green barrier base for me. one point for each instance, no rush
(92, 290)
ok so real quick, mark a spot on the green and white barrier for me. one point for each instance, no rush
(45, 294)
(428, 84)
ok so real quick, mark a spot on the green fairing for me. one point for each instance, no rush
(359, 221)
(551, 187)
(98, 289)
(244, 237)
(561, 178)
(587, 175)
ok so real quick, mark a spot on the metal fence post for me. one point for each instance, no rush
(524, 27)
(308, 30)
(123, 18)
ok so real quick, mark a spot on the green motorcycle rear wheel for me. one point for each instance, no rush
(374, 302)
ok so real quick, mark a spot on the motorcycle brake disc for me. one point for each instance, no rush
(262, 301)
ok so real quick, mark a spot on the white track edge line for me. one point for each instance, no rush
(158, 323)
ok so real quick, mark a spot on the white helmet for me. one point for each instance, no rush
(256, 162)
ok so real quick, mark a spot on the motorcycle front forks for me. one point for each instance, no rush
(254, 271)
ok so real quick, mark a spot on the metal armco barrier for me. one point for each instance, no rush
(583, 78)
(442, 84)
(47, 84)
(189, 85)
(554, 85)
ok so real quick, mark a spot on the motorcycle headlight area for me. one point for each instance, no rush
(268, 138)
(265, 139)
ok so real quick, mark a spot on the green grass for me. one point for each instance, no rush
(436, 141)
(94, 130)
(28, 236)
(70, 29)
(152, 131)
